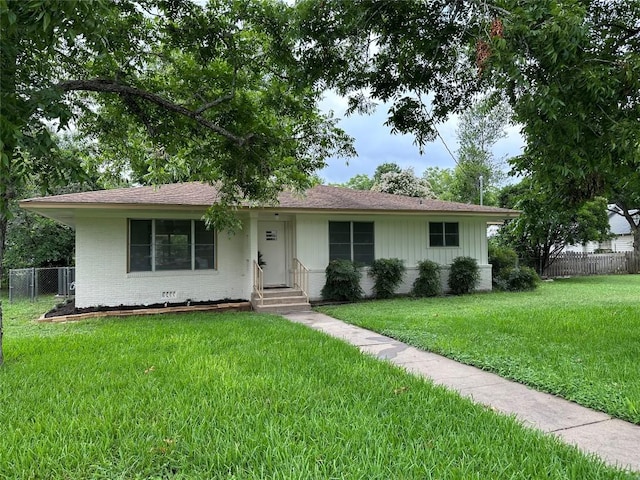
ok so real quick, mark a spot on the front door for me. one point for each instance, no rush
(272, 247)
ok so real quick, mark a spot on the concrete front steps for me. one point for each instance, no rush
(280, 300)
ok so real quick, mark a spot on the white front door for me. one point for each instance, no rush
(272, 246)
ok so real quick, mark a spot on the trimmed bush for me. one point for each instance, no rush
(387, 274)
(501, 258)
(342, 281)
(518, 279)
(464, 275)
(428, 282)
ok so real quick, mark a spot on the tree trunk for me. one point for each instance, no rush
(633, 225)
(1, 334)
(11, 129)
(3, 234)
(5, 196)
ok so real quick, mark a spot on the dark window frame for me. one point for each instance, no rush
(360, 250)
(145, 256)
(444, 234)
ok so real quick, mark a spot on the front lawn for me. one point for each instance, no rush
(578, 338)
(242, 396)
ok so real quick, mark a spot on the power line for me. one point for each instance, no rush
(463, 166)
(445, 145)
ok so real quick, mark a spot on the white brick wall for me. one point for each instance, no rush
(102, 278)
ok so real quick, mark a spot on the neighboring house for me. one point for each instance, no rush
(147, 245)
(622, 238)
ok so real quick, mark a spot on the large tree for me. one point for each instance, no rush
(390, 178)
(361, 181)
(413, 55)
(383, 169)
(172, 90)
(546, 225)
(569, 69)
(35, 241)
(405, 182)
(479, 173)
(36, 42)
(441, 181)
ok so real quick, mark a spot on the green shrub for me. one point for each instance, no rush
(518, 279)
(428, 282)
(464, 275)
(342, 281)
(387, 274)
(501, 257)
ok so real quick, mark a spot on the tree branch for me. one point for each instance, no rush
(110, 86)
(628, 30)
(225, 98)
(624, 211)
(217, 101)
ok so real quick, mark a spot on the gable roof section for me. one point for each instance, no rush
(321, 198)
(187, 194)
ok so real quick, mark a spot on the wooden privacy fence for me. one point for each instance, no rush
(576, 264)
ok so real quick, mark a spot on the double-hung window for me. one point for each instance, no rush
(352, 241)
(444, 234)
(157, 245)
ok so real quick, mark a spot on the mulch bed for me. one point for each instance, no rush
(68, 311)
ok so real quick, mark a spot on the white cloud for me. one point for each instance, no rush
(375, 144)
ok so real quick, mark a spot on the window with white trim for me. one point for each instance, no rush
(352, 241)
(160, 245)
(444, 234)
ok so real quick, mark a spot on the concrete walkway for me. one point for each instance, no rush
(615, 441)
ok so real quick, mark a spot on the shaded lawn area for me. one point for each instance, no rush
(577, 338)
(241, 395)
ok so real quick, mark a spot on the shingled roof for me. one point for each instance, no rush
(319, 198)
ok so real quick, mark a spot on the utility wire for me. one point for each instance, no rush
(446, 146)
(463, 165)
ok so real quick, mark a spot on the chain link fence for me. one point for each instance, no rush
(32, 282)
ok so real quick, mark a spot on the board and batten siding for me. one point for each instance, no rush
(102, 277)
(396, 236)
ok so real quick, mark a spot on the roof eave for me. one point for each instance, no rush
(356, 211)
(43, 206)
(36, 206)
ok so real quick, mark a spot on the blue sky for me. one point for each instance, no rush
(375, 145)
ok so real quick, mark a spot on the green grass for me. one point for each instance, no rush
(577, 338)
(242, 396)
(18, 316)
